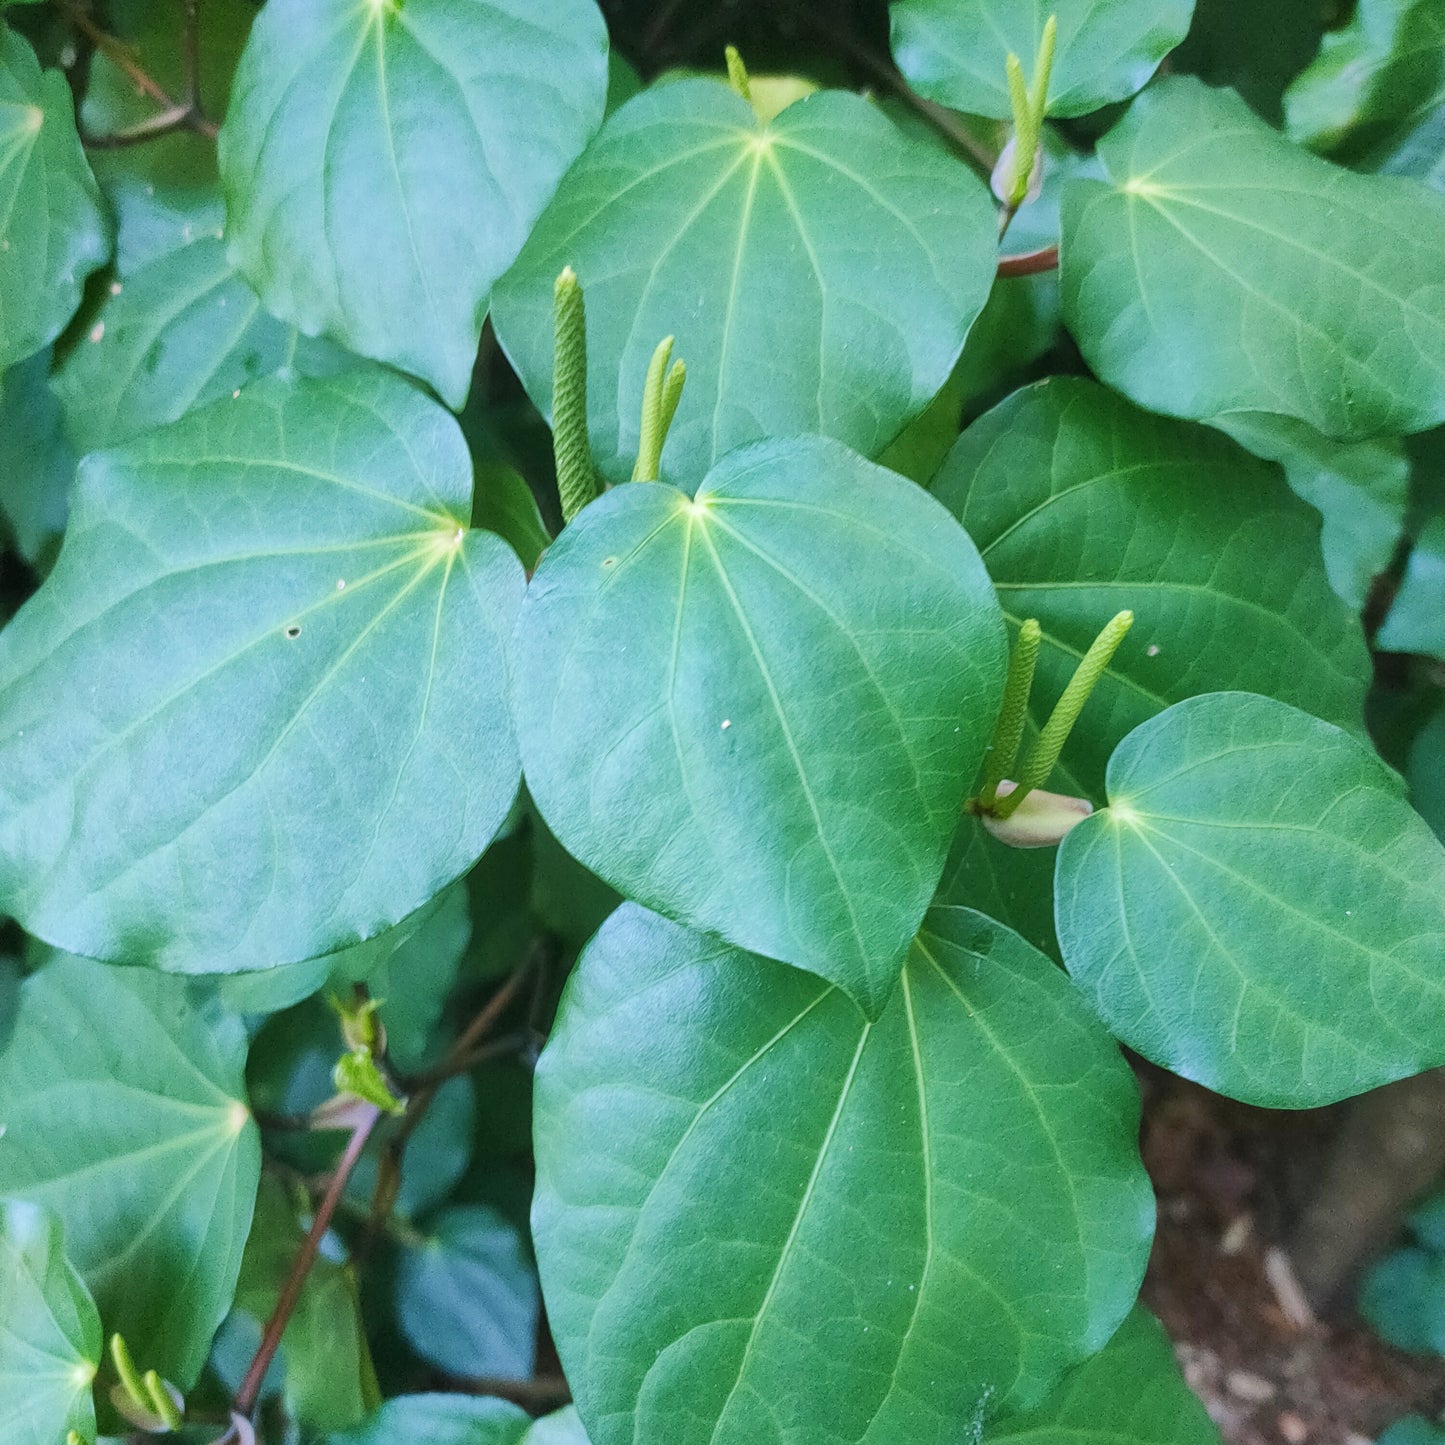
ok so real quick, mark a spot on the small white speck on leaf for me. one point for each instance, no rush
(97, 331)
(727, 722)
(115, 288)
(1152, 650)
(341, 584)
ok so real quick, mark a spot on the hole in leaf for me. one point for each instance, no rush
(293, 631)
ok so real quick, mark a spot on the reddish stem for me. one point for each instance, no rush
(250, 1390)
(1029, 263)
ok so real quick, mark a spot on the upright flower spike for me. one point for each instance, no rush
(1066, 712)
(1008, 732)
(1029, 106)
(738, 74)
(660, 395)
(576, 476)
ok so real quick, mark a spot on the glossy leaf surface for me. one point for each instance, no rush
(1373, 76)
(383, 162)
(1130, 1393)
(179, 328)
(36, 462)
(50, 1341)
(1222, 269)
(759, 711)
(1082, 506)
(945, 1213)
(1258, 909)
(1360, 489)
(761, 249)
(466, 1296)
(1416, 620)
(55, 230)
(954, 51)
(302, 733)
(458, 1420)
(125, 1113)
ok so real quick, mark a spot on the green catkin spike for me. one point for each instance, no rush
(576, 477)
(649, 447)
(130, 1380)
(1066, 713)
(161, 1401)
(1028, 109)
(1008, 732)
(1043, 73)
(738, 74)
(671, 395)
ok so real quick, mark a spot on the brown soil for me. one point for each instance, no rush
(1228, 1178)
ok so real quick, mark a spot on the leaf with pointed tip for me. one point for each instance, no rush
(758, 247)
(56, 231)
(384, 162)
(36, 462)
(954, 51)
(1416, 619)
(1360, 489)
(50, 1340)
(257, 713)
(125, 1113)
(946, 1210)
(812, 666)
(1083, 505)
(1130, 1393)
(466, 1295)
(458, 1420)
(179, 328)
(1372, 78)
(1258, 908)
(1222, 269)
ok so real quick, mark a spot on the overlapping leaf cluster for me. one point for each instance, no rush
(313, 700)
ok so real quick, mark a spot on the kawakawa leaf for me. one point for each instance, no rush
(258, 711)
(759, 710)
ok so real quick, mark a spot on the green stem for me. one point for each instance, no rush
(1066, 712)
(1008, 732)
(576, 476)
(738, 74)
(654, 423)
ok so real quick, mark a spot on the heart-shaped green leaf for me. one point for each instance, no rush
(1258, 908)
(457, 1420)
(383, 162)
(1130, 1393)
(124, 1112)
(758, 247)
(180, 328)
(763, 1220)
(954, 51)
(55, 231)
(50, 1338)
(257, 713)
(759, 711)
(1223, 269)
(1082, 505)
